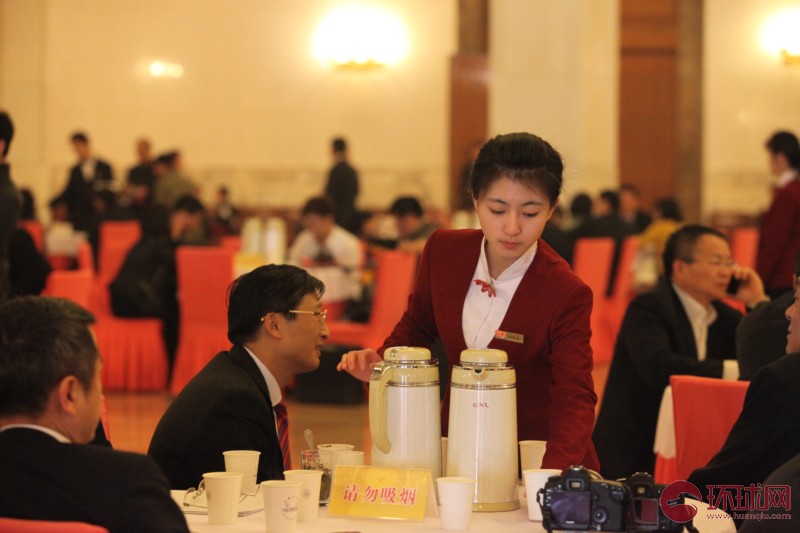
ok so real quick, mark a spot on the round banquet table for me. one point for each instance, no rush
(507, 522)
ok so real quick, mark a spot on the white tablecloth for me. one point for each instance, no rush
(664, 444)
(508, 522)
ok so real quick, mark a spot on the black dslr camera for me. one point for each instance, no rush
(645, 513)
(580, 500)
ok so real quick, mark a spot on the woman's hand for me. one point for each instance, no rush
(359, 363)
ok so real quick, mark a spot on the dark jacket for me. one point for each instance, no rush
(9, 214)
(655, 342)
(342, 189)
(226, 406)
(43, 479)
(767, 433)
(78, 195)
(761, 336)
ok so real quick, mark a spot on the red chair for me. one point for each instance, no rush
(75, 285)
(618, 303)
(592, 263)
(204, 275)
(34, 228)
(17, 525)
(85, 256)
(231, 242)
(705, 411)
(744, 246)
(133, 351)
(393, 282)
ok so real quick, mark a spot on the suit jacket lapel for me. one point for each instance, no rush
(683, 328)
(240, 356)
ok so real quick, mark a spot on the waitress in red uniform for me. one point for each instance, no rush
(503, 287)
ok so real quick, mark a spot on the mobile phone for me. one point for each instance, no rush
(733, 285)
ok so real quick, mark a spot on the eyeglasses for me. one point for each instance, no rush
(715, 261)
(321, 315)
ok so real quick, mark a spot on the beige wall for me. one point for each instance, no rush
(254, 106)
(748, 94)
(554, 73)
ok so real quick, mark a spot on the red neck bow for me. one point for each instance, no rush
(486, 287)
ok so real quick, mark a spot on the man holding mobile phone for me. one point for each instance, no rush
(679, 327)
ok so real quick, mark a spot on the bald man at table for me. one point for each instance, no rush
(277, 326)
(50, 402)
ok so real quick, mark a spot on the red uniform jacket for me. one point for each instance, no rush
(779, 240)
(551, 308)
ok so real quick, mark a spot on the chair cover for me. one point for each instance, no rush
(705, 411)
(16, 525)
(592, 263)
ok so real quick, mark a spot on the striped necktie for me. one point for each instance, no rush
(282, 422)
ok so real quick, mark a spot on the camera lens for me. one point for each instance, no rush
(600, 516)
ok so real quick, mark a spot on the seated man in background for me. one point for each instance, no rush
(767, 433)
(324, 243)
(413, 229)
(147, 282)
(50, 402)
(679, 327)
(277, 326)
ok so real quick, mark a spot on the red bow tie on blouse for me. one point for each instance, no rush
(486, 287)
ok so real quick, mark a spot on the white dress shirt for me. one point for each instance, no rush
(786, 178)
(52, 432)
(701, 318)
(344, 248)
(275, 394)
(483, 314)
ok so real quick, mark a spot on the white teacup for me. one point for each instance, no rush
(456, 495)
(531, 453)
(280, 505)
(308, 502)
(222, 490)
(246, 462)
(535, 480)
(349, 458)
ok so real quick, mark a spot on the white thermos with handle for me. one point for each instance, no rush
(482, 434)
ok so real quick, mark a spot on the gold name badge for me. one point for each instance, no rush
(509, 336)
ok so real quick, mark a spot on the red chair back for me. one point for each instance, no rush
(75, 285)
(619, 301)
(116, 240)
(231, 242)
(204, 274)
(705, 411)
(744, 246)
(592, 263)
(394, 280)
(16, 525)
(85, 257)
(34, 228)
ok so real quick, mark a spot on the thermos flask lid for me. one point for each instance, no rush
(484, 357)
(406, 353)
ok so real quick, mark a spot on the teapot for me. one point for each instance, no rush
(404, 414)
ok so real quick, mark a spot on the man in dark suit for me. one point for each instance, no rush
(50, 402)
(767, 433)
(277, 327)
(9, 205)
(680, 327)
(88, 176)
(342, 187)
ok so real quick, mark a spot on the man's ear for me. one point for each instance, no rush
(274, 325)
(66, 392)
